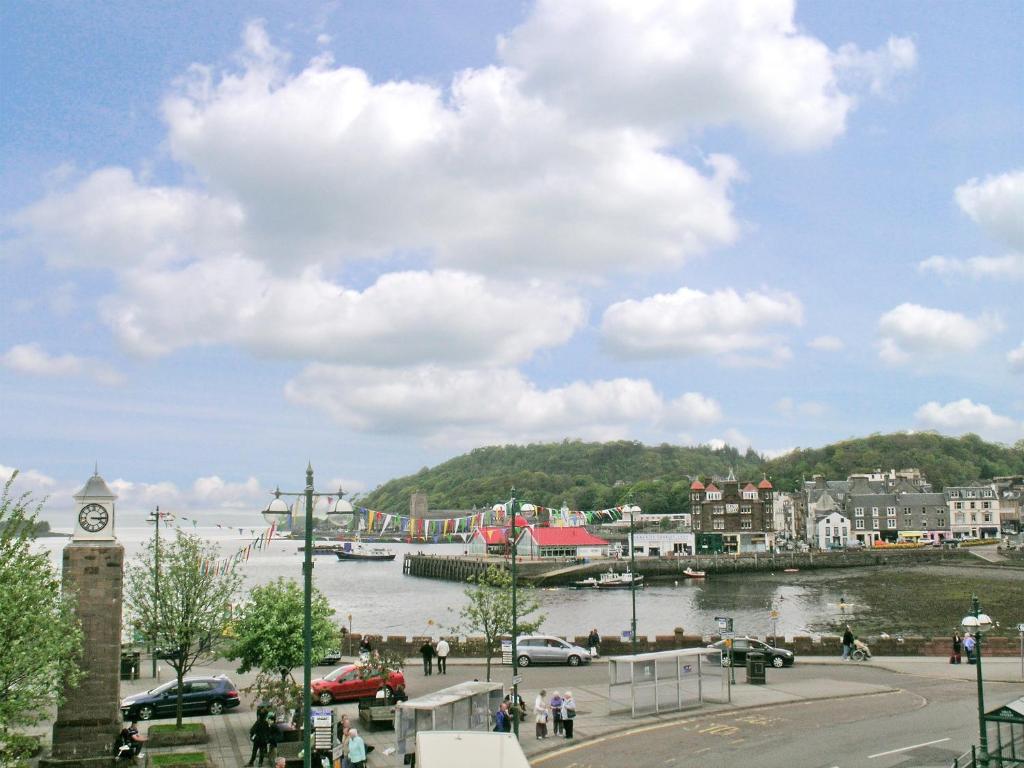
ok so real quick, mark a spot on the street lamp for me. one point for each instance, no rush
(277, 506)
(515, 621)
(978, 622)
(632, 570)
(154, 517)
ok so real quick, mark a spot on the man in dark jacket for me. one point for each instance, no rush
(847, 643)
(259, 735)
(427, 652)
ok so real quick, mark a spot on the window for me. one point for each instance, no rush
(959, 505)
(718, 509)
(745, 509)
(859, 511)
(874, 511)
(719, 525)
(859, 525)
(696, 523)
(954, 493)
(828, 531)
(986, 504)
(745, 525)
(987, 494)
(968, 494)
(874, 524)
(892, 510)
(988, 517)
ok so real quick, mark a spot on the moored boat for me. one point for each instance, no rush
(357, 551)
(611, 580)
(690, 573)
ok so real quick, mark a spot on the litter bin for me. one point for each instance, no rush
(755, 668)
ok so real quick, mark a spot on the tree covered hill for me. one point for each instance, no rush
(600, 475)
(583, 475)
(943, 460)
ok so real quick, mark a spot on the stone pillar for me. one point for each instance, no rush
(418, 505)
(89, 719)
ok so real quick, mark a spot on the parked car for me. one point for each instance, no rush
(201, 695)
(329, 659)
(777, 657)
(547, 649)
(350, 682)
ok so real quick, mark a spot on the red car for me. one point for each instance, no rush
(346, 684)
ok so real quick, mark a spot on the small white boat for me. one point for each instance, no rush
(690, 573)
(611, 580)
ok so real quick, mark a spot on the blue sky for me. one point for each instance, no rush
(240, 236)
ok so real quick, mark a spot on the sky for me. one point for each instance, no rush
(239, 237)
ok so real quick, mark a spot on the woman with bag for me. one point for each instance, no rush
(568, 713)
(556, 712)
(957, 647)
(540, 712)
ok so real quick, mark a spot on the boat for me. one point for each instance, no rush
(323, 547)
(689, 572)
(791, 570)
(357, 551)
(609, 580)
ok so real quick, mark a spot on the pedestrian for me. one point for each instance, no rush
(556, 712)
(443, 649)
(129, 740)
(568, 713)
(273, 734)
(969, 645)
(541, 712)
(364, 648)
(957, 648)
(259, 735)
(345, 731)
(399, 694)
(593, 642)
(427, 652)
(502, 721)
(516, 705)
(356, 749)
(847, 643)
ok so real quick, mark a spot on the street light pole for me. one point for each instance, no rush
(981, 621)
(307, 623)
(632, 572)
(515, 623)
(154, 517)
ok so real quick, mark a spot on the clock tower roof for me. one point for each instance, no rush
(95, 488)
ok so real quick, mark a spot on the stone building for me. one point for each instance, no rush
(741, 512)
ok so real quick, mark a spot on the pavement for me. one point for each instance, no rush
(229, 746)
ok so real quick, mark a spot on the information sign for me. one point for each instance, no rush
(724, 623)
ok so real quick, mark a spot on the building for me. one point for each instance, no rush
(490, 540)
(832, 531)
(661, 543)
(570, 542)
(974, 511)
(740, 511)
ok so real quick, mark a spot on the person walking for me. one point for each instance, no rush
(443, 649)
(541, 710)
(502, 721)
(847, 643)
(568, 713)
(958, 646)
(556, 712)
(969, 644)
(593, 642)
(356, 749)
(364, 648)
(259, 735)
(427, 652)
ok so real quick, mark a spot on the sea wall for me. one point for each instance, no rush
(473, 647)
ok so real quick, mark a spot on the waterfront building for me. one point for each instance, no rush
(974, 511)
(1010, 491)
(568, 542)
(661, 543)
(740, 512)
(832, 531)
(489, 540)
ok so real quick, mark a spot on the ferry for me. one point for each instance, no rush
(357, 551)
(611, 580)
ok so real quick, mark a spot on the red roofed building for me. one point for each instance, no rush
(492, 540)
(740, 513)
(561, 542)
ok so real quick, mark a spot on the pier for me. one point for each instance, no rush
(564, 572)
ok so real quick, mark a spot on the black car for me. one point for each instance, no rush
(201, 696)
(777, 657)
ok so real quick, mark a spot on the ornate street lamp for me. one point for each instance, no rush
(515, 621)
(632, 569)
(977, 623)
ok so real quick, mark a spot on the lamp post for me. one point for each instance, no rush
(515, 621)
(154, 517)
(978, 622)
(632, 571)
(277, 507)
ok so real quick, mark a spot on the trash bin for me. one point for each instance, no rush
(755, 668)
(130, 665)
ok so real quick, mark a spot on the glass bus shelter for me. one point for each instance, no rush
(667, 681)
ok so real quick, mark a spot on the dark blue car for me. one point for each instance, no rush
(200, 696)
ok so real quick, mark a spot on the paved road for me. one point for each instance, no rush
(926, 722)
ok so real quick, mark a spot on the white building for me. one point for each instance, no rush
(659, 544)
(832, 531)
(974, 511)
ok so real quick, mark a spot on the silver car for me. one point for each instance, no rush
(547, 649)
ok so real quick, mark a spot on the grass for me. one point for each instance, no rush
(179, 758)
(185, 728)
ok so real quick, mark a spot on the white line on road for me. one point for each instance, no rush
(907, 749)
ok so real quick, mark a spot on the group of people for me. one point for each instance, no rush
(440, 651)
(966, 645)
(353, 748)
(560, 710)
(264, 735)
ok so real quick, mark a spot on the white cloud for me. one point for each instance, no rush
(495, 404)
(1015, 357)
(724, 323)
(403, 318)
(964, 415)
(674, 67)
(911, 333)
(1008, 267)
(28, 480)
(826, 343)
(787, 406)
(109, 220)
(33, 360)
(880, 68)
(214, 491)
(996, 203)
(732, 437)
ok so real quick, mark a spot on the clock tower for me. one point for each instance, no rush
(89, 719)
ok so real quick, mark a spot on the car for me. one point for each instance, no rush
(777, 657)
(329, 659)
(547, 649)
(351, 682)
(200, 696)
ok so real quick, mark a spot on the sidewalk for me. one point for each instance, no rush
(229, 745)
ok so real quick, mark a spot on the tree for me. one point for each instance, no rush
(39, 633)
(268, 636)
(183, 612)
(488, 611)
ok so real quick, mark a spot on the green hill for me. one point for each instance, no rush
(583, 475)
(943, 460)
(600, 475)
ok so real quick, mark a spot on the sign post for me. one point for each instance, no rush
(1020, 628)
(725, 629)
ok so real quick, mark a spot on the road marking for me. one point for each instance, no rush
(907, 749)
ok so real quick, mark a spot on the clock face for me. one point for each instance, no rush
(93, 518)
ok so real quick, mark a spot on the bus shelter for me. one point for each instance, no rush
(667, 681)
(1005, 727)
(463, 707)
